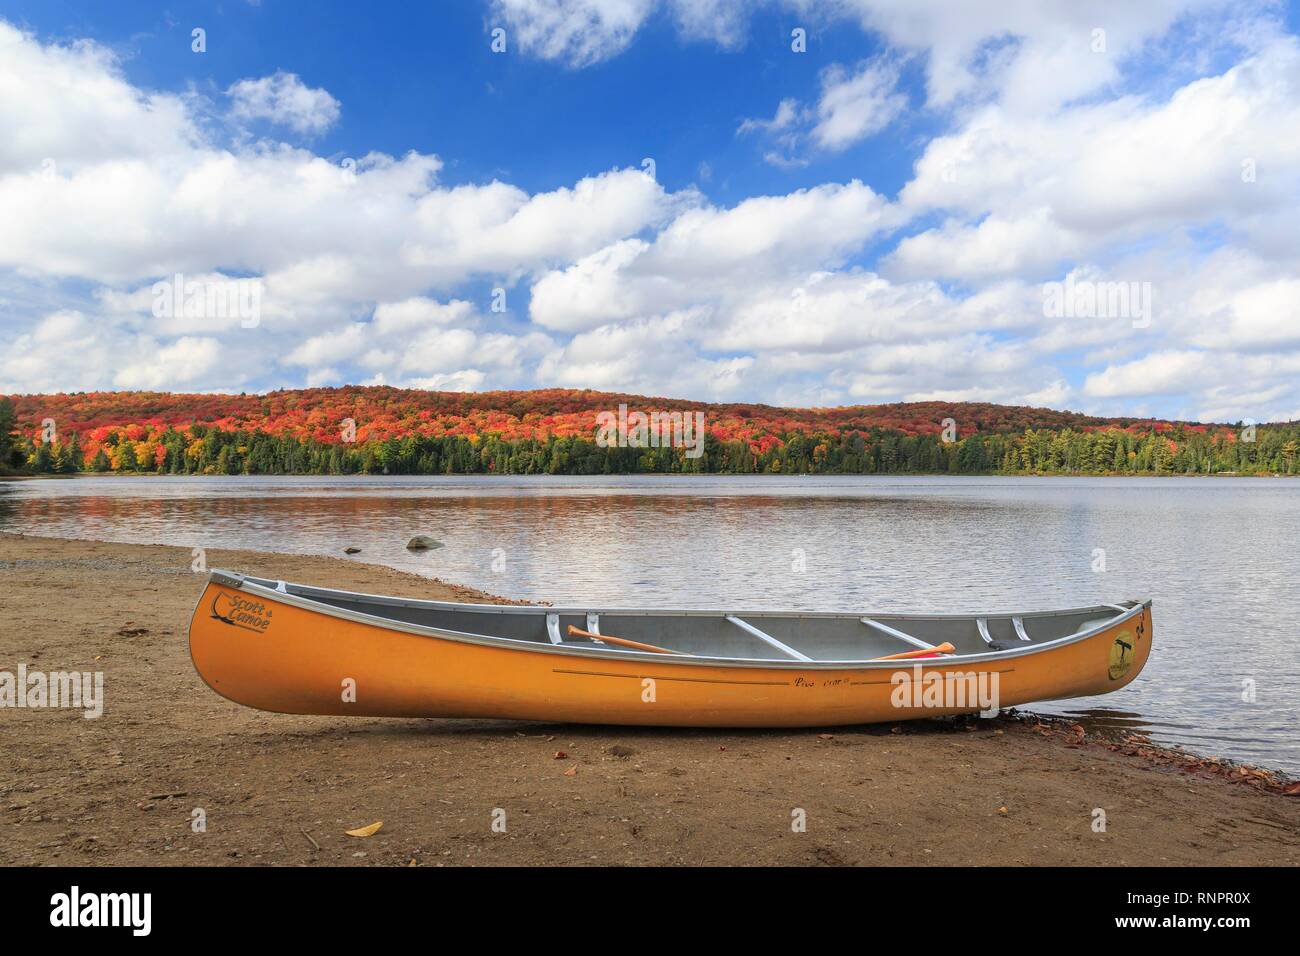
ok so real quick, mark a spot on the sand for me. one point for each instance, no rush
(127, 787)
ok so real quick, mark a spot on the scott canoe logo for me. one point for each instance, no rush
(240, 612)
(1121, 655)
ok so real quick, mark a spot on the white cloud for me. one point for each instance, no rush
(787, 115)
(722, 21)
(707, 252)
(188, 359)
(582, 33)
(69, 351)
(852, 106)
(1156, 374)
(64, 107)
(576, 32)
(1257, 317)
(1032, 56)
(641, 355)
(856, 105)
(284, 99)
(419, 312)
(1028, 245)
(1072, 182)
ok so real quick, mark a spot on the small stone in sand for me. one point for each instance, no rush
(422, 542)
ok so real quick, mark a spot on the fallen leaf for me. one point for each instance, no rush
(1003, 810)
(572, 771)
(366, 831)
(560, 755)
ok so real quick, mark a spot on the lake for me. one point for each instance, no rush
(1218, 556)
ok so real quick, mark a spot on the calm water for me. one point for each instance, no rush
(1219, 556)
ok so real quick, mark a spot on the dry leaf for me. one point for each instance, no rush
(1003, 810)
(560, 755)
(366, 831)
(572, 771)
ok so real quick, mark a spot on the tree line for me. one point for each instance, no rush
(201, 449)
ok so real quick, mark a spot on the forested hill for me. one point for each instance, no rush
(395, 411)
(406, 431)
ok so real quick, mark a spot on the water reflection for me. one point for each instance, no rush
(1218, 557)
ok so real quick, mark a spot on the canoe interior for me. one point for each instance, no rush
(822, 637)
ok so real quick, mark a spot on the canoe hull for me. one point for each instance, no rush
(280, 657)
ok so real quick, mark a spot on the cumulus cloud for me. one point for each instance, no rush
(122, 205)
(576, 32)
(68, 106)
(1051, 160)
(582, 33)
(854, 105)
(285, 100)
(1068, 184)
(708, 252)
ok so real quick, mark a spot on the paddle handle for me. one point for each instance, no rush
(635, 645)
(944, 648)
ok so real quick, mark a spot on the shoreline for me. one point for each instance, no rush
(122, 789)
(92, 475)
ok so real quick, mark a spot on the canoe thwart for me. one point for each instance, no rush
(768, 638)
(895, 632)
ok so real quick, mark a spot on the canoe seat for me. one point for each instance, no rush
(1095, 622)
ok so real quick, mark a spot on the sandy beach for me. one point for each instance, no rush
(124, 788)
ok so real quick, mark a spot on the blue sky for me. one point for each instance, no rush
(878, 218)
(427, 80)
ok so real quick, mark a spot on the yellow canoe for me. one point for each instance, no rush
(297, 649)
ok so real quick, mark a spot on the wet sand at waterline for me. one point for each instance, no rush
(277, 789)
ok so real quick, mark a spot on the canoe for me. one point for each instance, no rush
(292, 648)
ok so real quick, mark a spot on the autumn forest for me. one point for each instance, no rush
(381, 430)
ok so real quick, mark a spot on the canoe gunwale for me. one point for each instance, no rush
(244, 583)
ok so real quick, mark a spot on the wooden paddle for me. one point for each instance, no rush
(635, 645)
(944, 648)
